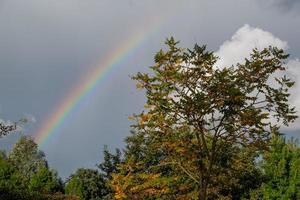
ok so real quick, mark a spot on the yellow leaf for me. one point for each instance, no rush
(145, 118)
(139, 86)
(131, 117)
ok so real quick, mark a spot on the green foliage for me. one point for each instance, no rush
(10, 184)
(198, 118)
(6, 172)
(281, 166)
(26, 158)
(88, 184)
(246, 176)
(24, 174)
(110, 163)
(45, 181)
(108, 167)
(74, 187)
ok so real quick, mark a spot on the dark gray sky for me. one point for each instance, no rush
(46, 46)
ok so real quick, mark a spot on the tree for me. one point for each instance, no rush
(245, 178)
(45, 181)
(10, 183)
(3, 155)
(108, 167)
(88, 184)
(26, 174)
(110, 163)
(8, 127)
(5, 129)
(197, 119)
(6, 172)
(26, 158)
(281, 166)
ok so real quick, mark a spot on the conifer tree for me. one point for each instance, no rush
(281, 166)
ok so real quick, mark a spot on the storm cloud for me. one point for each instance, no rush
(284, 5)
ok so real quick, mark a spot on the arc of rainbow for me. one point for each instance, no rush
(89, 82)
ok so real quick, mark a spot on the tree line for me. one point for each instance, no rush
(206, 132)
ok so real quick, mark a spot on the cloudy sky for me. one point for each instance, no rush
(47, 46)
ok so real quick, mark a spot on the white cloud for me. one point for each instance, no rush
(242, 42)
(240, 46)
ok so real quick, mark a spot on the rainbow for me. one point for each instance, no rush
(87, 85)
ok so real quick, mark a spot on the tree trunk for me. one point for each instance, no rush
(203, 191)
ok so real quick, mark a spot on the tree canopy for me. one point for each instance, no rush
(87, 184)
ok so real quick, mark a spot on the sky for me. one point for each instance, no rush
(48, 46)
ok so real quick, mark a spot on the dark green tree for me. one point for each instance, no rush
(281, 166)
(45, 181)
(30, 175)
(6, 171)
(11, 187)
(88, 184)
(108, 167)
(246, 177)
(110, 163)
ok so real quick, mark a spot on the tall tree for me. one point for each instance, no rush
(198, 117)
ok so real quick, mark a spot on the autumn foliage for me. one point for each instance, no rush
(203, 125)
